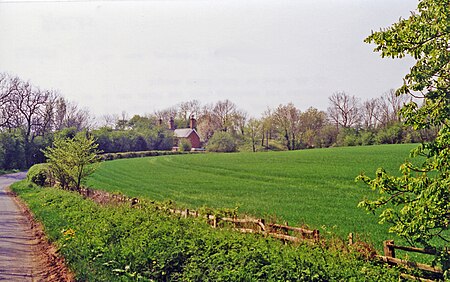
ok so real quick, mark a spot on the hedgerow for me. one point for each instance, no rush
(120, 243)
(140, 154)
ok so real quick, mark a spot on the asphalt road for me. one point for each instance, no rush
(17, 259)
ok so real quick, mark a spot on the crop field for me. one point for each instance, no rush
(311, 187)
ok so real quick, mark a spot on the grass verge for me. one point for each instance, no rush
(119, 243)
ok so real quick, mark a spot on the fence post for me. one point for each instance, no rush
(285, 231)
(350, 239)
(388, 248)
(316, 235)
(262, 226)
(215, 222)
(187, 213)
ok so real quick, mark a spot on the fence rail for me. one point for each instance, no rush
(389, 257)
(257, 225)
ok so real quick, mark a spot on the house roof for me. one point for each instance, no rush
(183, 132)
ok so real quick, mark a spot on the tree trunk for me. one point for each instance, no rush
(288, 142)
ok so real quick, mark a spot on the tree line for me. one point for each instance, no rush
(348, 121)
(30, 117)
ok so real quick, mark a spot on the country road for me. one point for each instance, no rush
(18, 261)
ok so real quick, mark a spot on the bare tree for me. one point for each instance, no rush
(188, 109)
(108, 120)
(369, 113)
(240, 120)
(344, 110)
(7, 87)
(383, 113)
(396, 102)
(45, 119)
(79, 118)
(166, 114)
(122, 121)
(29, 103)
(225, 112)
(207, 122)
(388, 107)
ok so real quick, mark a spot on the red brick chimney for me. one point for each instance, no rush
(193, 123)
(171, 124)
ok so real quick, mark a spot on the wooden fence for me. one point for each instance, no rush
(257, 225)
(389, 257)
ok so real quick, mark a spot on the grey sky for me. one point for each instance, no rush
(142, 56)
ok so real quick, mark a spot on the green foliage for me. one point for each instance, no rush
(68, 132)
(368, 138)
(185, 145)
(417, 204)
(328, 135)
(119, 243)
(39, 174)
(221, 142)
(348, 137)
(70, 159)
(12, 151)
(142, 137)
(392, 134)
(131, 155)
(313, 187)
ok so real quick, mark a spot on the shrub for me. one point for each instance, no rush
(367, 138)
(185, 145)
(221, 142)
(347, 137)
(38, 174)
(392, 134)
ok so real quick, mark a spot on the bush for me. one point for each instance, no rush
(367, 138)
(185, 145)
(390, 135)
(38, 174)
(347, 137)
(221, 142)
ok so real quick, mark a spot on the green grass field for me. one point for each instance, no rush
(312, 187)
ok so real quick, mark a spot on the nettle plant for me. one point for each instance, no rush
(417, 203)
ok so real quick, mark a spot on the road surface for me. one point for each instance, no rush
(18, 261)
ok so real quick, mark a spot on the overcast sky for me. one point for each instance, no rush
(142, 56)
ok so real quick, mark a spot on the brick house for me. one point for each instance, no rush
(186, 133)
